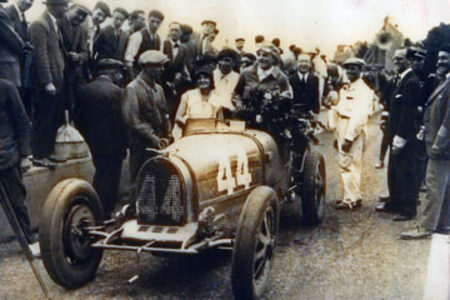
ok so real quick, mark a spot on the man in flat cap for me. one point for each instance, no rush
(100, 122)
(48, 64)
(240, 43)
(145, 39)
(225, 78)
(349, 118)
(145, 112)
(206, 38)
(402, 130)
(107, 43)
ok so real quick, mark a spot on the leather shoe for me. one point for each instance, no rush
(401, 218)
(383, 207)
(415, 234)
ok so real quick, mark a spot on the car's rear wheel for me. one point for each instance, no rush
(255, 244)
(66, 248)
(314, 188)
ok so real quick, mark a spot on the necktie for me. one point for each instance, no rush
(24, 21)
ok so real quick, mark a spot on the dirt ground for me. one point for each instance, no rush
(351, 255)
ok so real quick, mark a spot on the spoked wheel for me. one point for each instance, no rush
(66, 246)
(254, 250)
(314, 189)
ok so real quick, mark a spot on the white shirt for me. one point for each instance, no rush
(54, 24)
(303, 77)
(224, 88)
(263, 74)
(134, 43)
(355, 105)
(175, 50)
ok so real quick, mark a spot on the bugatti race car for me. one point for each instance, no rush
(220, 185)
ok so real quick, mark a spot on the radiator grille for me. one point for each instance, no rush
(160, 198)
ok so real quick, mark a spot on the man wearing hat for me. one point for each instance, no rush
(225, 79)
(207, 36)
(100, 123)
(240, 43)
(145, 39)
(435, 216)
(402, 131)
(349, 118)
(144, 109)
(48, 65)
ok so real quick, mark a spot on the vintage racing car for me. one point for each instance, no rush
(220, 186)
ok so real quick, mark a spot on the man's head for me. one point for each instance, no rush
(401, 63)
(443, 62)
(227, 60)
(276, 42)
(175, 31)
(100, 13)
(137, 20)
(267, 57)
(304, 63)
(111, 68)
(152, 62)
(208, 27)
(77, 14)
(155, 18)
(57, 7)
(259, 39)
(416, 57)
(24, 5)
(353, 67)
(119, 16)
(186, 32)
(240, 42)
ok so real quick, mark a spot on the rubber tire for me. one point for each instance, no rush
(314, 163)
(54, 212)
(243, 252)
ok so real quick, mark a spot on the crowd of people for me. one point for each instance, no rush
(126, 87)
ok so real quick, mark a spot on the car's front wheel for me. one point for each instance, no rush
(314, 184)
(66, 248)
(255, 244)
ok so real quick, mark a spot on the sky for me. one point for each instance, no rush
(306, 23)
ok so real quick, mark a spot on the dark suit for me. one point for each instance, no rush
(175, 77)
(48, 67)
(14, 145)
(74, 40)
(306, 94)
(107, 44)
(11, 50)
(100, 123)
(403, 170)
(20, 26)
(436, 213)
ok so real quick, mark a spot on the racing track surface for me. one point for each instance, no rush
(351, 255)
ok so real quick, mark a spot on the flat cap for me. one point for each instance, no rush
(239, 39)
(269, 49)
(153, 57)
(209, 22)
(227, 52)
(355, 62)
(109, 63)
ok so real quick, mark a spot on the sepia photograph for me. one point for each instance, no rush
(225, 149)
